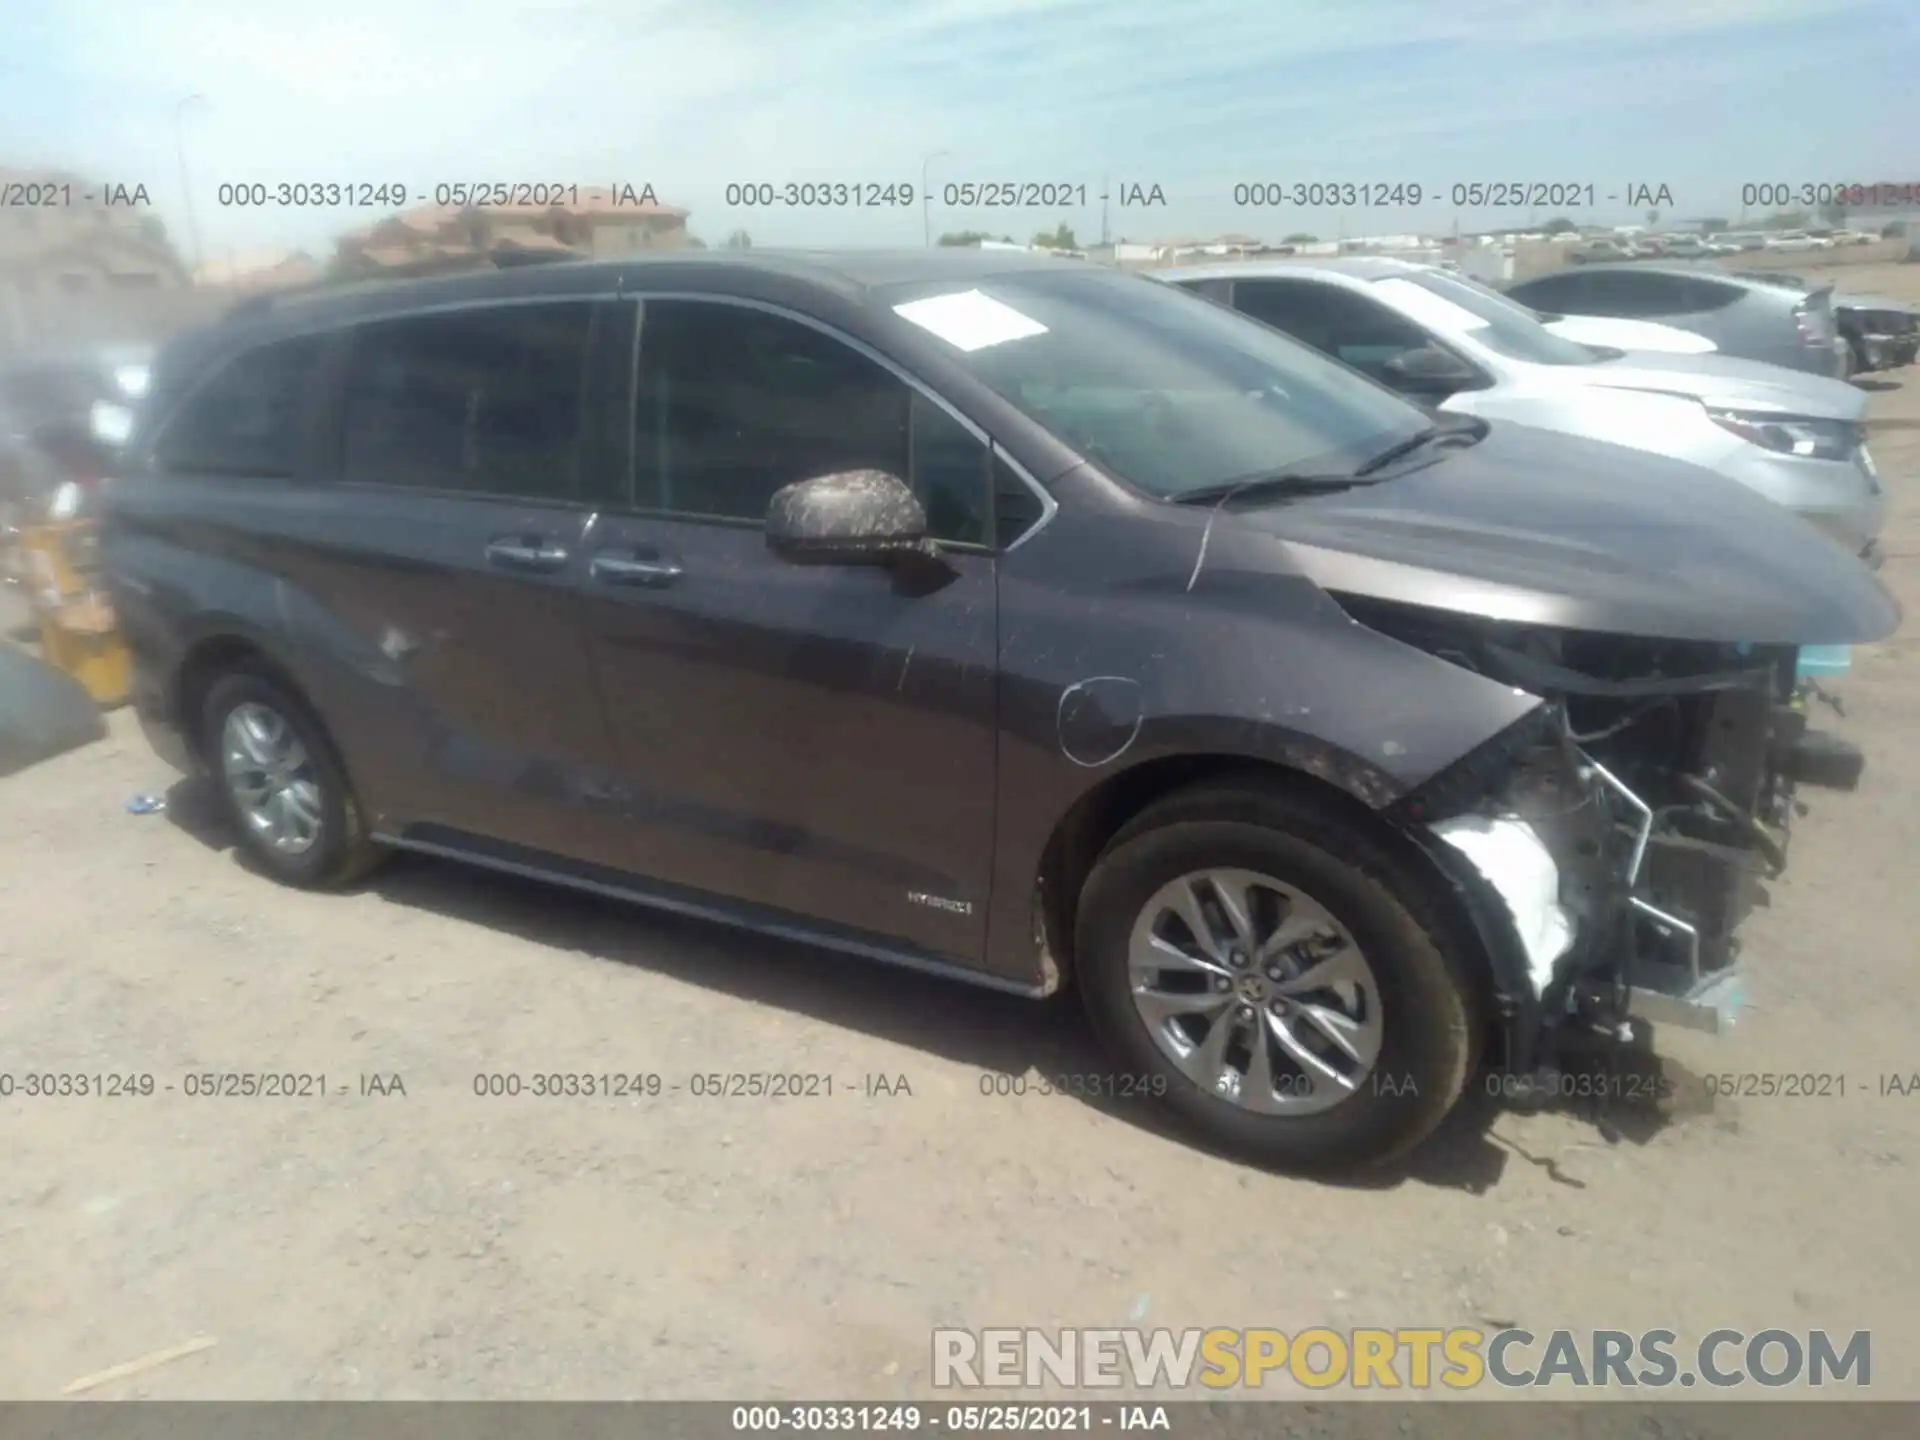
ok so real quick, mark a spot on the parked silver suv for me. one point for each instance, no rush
(1451, 343)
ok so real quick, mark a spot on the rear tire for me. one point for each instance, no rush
(1408, 1017)
(282, 785)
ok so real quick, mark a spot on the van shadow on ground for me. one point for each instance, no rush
(1608, 1088)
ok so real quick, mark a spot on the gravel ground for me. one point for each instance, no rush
(435, 1244)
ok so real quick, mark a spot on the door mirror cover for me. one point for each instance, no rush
(1429, 368)
(852, 517)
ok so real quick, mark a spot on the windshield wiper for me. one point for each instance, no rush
(1456, 426)
(1258, 487)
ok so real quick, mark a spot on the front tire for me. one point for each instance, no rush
(282, 785)
(1280, 975)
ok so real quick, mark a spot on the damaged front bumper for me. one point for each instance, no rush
(1608, 848)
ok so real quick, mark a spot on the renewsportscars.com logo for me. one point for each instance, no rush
(1379, 1359)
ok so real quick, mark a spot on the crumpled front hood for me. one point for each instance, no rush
(1549, 529)
(1728, 383)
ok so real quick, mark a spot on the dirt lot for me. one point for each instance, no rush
(436, 1244)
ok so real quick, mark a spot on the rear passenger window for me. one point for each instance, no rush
(246, 419)
(484, 401)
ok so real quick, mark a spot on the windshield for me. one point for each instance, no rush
(1472, 312)
(1170, 392)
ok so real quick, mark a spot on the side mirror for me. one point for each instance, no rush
(1429, 370)
(855, 517)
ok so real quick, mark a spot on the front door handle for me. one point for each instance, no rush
(525, 552)
(617, 568)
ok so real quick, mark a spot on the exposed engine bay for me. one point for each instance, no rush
(1628, 825)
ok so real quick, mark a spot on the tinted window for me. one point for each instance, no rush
(1644, 294)
(485, 401)
(1220, 290)
(734, 403)
(246, 419)
(1335, 321)
(1553, 294)
(1161, 388)
(1700, 293)
(949, 472)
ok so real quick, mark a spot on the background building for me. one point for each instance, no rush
(82, 269)
(434, 239)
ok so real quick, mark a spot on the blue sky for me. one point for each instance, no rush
(688, 95)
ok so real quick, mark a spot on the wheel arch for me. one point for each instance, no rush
(1090, 824)
(205, 660)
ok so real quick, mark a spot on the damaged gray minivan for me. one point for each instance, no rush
(1010, 619)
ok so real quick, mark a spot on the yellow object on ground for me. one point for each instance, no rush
(78, 631)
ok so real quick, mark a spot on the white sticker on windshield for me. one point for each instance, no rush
(969, 320)
(1421, 304)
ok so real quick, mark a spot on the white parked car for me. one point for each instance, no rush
(1455, 345)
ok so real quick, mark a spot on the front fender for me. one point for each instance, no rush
(1248, 665)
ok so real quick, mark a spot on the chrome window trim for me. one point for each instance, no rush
(1049, 506)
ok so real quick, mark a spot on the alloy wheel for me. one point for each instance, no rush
(271, 777)
(1255, 992)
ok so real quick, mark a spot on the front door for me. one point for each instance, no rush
(818, 740)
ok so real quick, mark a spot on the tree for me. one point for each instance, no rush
(739, 240)
(1301, 238)
(1559, 225)
(964, 237)
(1834, 212)
(1653, 218)
(1060, 238)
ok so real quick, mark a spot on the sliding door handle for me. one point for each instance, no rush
(617, 569)
(522, 552)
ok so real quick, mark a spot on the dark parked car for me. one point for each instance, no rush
(1004, 617)
(1881, 333)
(1752, 319)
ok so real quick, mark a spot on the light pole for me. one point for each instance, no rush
(186, 185)
(926, 198)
